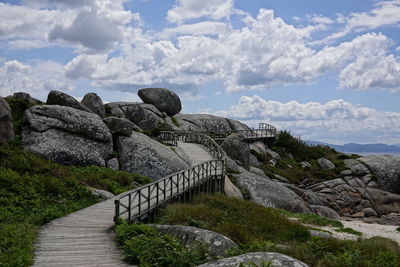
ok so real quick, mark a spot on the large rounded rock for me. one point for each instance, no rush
(94, 103)
(257, 259)
(66, 135)
(119, 126)
(387, 168)
(26, 97)
(383, 202)
(62, 99)
(165, 100)
(325, 211)
(325, 164)
(141, 154)
(236, 148)
(269, 193)
(215, 243)
(6, 125)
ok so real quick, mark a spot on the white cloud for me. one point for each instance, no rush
(385, 13)
(196, 29)
(37, 80)
(193, 9)
(334, 120)
(89, 30)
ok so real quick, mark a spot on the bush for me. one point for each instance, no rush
(146, 246)
(240, 220)
(371, 252)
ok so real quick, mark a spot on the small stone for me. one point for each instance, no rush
(305, 164)
(113, 164)
(368, 212)
(346, 173)
(325, 164)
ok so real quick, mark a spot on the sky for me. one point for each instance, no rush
(327, 71)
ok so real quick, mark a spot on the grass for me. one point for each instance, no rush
(329, 252)
(231, 217)
(146, 246)
(175, 121)
(398, 229)
(34, 191)
(311, 218)
(349, 231)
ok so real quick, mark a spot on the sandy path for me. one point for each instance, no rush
(368, 229)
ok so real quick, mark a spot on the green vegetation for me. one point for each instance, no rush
(349, 231)
(146, 246)
(293, 150)
(398, 229)
(311, 218)
(373, 252)
(175, 121)
(34, 191)
(240, 220)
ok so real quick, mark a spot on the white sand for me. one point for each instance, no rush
(368, 229)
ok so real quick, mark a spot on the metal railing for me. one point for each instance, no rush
(206, 177)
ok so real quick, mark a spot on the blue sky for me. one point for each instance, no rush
(325, 70)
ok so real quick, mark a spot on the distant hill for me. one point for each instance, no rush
(353, 147)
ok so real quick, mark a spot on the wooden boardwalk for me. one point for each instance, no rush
(85, 237)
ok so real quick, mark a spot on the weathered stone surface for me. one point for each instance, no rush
(94, 103)
(325, 164)
(305, 164)
(346, 173)
(258, 171)
(165, 100)
(368, 212)
(6, 125)
(67, 119)
(26, 97)
(215, 243)
(66, 135)
(113, 164)
(119, 126)
(231, 165)
(202, 122)
(321, 234)
(231, 190)
(66, 148)
(383, 202)
(259, 147)
(387, 169)
(238, 126)
(62, 99)
(258, 258)
(101, 193)
(281, 178)
(273, 154)
(254, 161)
(269, 193)
(141, 154)
(236, 148)
(325, 211)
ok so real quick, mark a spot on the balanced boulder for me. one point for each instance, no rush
(6, 125)
(62, 99)
(165, 100)
(66, 135)
(94, 103)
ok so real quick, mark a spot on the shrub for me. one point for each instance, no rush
(146, 246)
(349, 231)
(329, 252)
(240, 220)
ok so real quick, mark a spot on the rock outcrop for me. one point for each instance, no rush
(62, 99)
(236, 148)
(119, 126)
(257, 259)
(141, 154)
(215, 243)
(6, 124)
(387, 169)
(94, 103)
(26, 97)
(269, 193)
(67, 135)
(165, 100)
(231, 190)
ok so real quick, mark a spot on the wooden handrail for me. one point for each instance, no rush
(206, 177)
